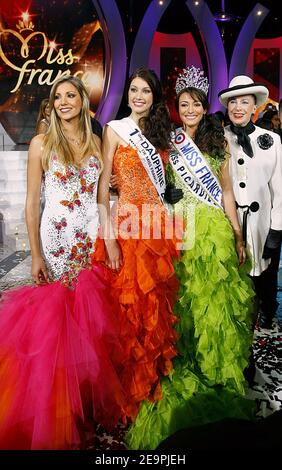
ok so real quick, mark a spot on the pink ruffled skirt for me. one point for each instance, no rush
(59, 353)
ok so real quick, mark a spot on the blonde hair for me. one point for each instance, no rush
(42, 113)
(55, 140)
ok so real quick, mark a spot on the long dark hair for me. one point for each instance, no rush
(209, 136)
(157, 125)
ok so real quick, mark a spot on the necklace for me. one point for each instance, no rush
(73, 140)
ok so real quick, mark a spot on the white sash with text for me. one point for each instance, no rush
(193, 169)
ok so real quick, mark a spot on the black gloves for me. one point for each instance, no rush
(272, 243)
(172, 194)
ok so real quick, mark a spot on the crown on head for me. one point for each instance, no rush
(192, 77)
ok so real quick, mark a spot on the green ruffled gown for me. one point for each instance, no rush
(214, 307)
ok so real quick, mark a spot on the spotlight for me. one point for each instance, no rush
(223, 16)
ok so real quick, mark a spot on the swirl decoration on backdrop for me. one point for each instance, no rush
(37, 46)
(42, 40)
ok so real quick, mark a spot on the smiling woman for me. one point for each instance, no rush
(63, 367)
(140, 97)
(215, 295)
(70, 123)
(191, 111)
(135, 244)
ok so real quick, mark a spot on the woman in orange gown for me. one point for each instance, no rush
(140, 243)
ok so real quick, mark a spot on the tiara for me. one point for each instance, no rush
(192, 77)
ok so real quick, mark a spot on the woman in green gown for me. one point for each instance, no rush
(215, 297)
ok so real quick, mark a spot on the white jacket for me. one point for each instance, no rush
(257, 179)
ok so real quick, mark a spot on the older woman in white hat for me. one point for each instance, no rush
(256, 171)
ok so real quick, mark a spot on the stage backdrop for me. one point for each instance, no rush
(41, 41)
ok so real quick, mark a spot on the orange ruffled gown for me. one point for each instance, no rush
(145, 286)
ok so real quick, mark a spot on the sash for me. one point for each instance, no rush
(150, 159)
(193, 169)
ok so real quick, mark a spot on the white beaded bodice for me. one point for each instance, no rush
(70, 217)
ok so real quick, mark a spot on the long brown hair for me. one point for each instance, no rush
(55, 140)
(209, 136)
(157, 125)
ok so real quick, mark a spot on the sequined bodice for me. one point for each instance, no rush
(134, 184)
(70, 217)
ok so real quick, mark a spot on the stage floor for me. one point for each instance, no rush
(267, 388)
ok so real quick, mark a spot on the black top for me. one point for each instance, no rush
(96, 127)
(243, 137)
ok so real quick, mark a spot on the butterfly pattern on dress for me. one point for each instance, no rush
(64, 177)
(69, 213)
(86, 188)
(75, 201)
(79, 257)
(59, 225)
(93, 164)
(60, 251)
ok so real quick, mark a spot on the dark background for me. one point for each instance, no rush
(178, 20)
(18, 116)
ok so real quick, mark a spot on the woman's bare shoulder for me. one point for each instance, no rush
(36, 144)
(37, 140)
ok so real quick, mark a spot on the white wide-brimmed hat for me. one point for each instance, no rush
(243, 85)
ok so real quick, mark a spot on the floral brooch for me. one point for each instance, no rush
(265, 141)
